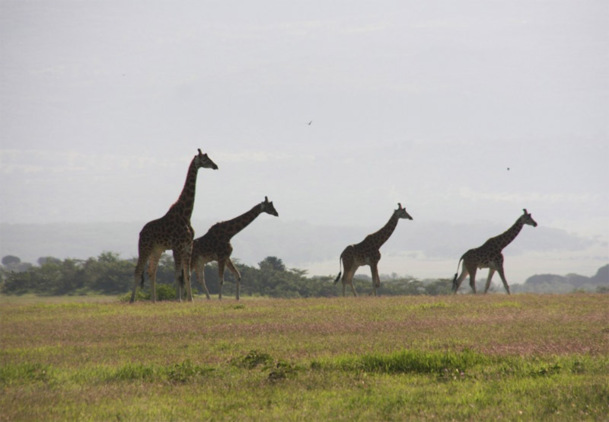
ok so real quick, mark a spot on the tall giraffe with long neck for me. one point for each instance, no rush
(367, 252)
(489, 256)
(215, 244)
(172, 231)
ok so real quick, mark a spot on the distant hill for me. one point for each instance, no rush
(426, 250)
(552, 283)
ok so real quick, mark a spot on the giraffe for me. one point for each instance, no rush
(489, 256)
(172, 231)
(215, 244)
(367, 252)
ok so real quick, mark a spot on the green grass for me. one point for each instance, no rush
(523, 357)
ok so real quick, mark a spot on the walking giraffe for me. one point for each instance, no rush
(367, 252)
(215, 244)
(489, 256)
(172, 231)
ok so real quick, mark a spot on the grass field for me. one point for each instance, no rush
(520, 357)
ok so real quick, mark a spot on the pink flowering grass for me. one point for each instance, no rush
(458, 357)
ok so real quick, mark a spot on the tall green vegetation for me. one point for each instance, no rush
(105, 274)
(108, 274)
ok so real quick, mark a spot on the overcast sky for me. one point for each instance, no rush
(465, 112)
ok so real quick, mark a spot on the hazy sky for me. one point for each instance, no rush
(427, 103)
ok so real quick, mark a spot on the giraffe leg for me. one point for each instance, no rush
(502, 275)
(200, 273)
(348, 279)
(472, 279)
(181, 259)
(491, 272)
(179, 280)
(221, 265)
(186, 275)
(186, 253)
(376, 281)
(231, 267)
(153, 263)
(187, 281)
(138, 276)
(458, 281)
(349, 268)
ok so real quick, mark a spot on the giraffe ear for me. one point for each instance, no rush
(266, 199)
(199, 149)
(399, 206)
(525, 210)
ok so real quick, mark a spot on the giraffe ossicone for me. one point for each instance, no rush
(489, 256)
(172, 231)
(215, 245)
(367, 252)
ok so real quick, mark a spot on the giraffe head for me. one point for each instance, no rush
(268, 207)
(401, 213)
(527, 218)
(202, 160)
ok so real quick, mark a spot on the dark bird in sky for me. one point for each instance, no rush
(310, 122)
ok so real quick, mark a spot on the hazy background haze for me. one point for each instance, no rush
(465, 112)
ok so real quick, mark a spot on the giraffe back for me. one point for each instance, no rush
(166, 233)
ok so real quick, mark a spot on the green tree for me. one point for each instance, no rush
(439, 287)
(9, 260)
(108, 274)
(272, 263)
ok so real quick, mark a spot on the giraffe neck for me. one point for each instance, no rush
(234, 226)
(186, 202)
(509, 235)
(379, 237)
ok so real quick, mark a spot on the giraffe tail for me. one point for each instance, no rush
(456, 275)
(142, 281)
(339, 272)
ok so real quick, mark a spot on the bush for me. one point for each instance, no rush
(108, 274)
(164, 292)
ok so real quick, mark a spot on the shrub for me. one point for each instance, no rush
(164, 292)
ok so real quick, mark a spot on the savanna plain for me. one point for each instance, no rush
(464, 357)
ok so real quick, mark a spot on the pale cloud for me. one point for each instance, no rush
(530, 197)
(367, 28)
(442, 24)
(14, 161)
(37, 161)
(227, 156)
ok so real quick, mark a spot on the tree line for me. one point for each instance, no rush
(108, 274)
